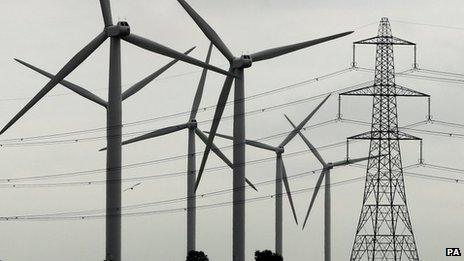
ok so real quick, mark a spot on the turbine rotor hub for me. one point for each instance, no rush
(280, 150)
(121, 29)
(192, 124)
(244, 61)
(329, 166)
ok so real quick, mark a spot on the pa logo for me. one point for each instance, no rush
(453, 252)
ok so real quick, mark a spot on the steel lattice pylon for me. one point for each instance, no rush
(384, 230)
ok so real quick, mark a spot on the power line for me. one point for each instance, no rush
(181, 199)
(431, 78)
(229, 117)
(429, 25)
(7, 142)
(443, 168)
(424, 176)
(364, 26)
(446, 123)
(258, 95)
(427, 132)
(99, 89)
(68, 215)
(249, 113)
(21, 143)
(420, 77)
(459, 75)
(432, 177)
(9, 181)
(436, 133)
(51, 217)
(184, 113)
(157, 161)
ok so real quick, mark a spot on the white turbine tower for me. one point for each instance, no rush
(116, 33)
(193, 129)
(325, 175)
(281, 175)
(237, 68)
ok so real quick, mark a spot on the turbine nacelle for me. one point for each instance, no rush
(244, 61)
(280, 150)
(192, 124)
(121, 29)
(329, 166)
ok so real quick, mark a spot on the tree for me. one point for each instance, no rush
(197, 256)
(267, 255)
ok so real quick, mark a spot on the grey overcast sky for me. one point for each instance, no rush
(47, 33)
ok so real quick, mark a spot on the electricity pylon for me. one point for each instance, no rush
(384, 230)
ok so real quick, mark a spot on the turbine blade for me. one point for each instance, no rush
(106, 11)
(138, 86)
(351, 161)
(274, 52)
(207, 30)
(302, 124)
(222, 136)
(163, 50)
(253, 143)
(313, 198)
(221, 155)
(214, 148)
(251, 184)
(201, 85)
(217, 118)
(65, 71)
(287, 189)
(154, 134)
(310, 146)
(157, 133)
(73, 87)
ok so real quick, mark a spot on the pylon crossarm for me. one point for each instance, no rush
(394, 90)
(384, 40)
(404, 91)
(384, 135)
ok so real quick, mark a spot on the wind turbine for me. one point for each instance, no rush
(193, 129)
(325, 174)
(116, 32)
(237, 67)
(281, 174)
